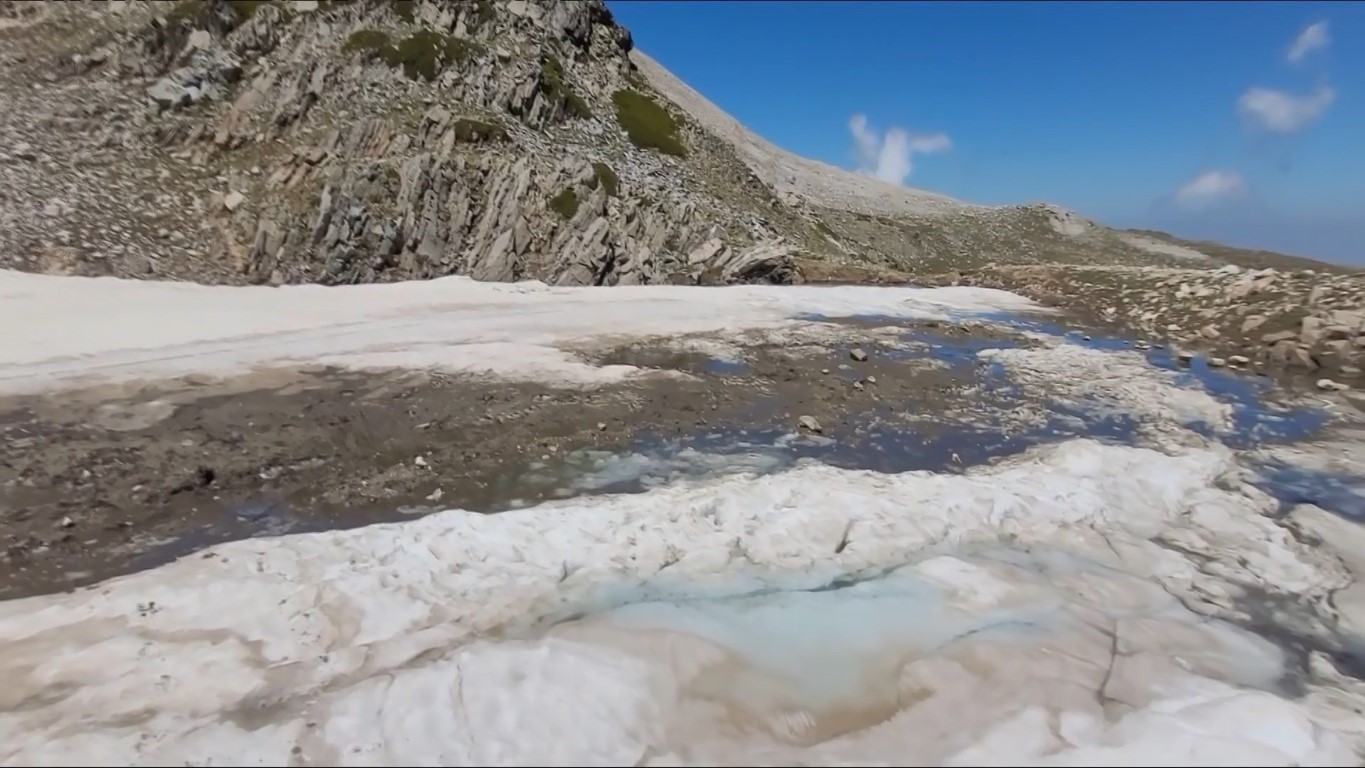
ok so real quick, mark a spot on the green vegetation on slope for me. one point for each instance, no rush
(470, 130)
(605, 176)
(484, 11)
(405, 9)
(648, 125)
(245, 9)
(554, 85)
(423, 54)
(369, 40)
(565, 203)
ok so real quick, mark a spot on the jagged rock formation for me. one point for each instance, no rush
(275, 142)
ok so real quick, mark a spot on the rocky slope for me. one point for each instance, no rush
(253, 142)
(1269, 320)
(376, 140)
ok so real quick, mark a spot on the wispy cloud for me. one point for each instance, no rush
(1313, 37)
(1210, 187)
(1282, 112)
(889, 157)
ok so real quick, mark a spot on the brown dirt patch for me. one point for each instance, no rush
(100, 482)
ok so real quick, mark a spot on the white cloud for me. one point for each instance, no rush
(1209, 187)
(1313, 37)
(1282, 112)
(888, 157)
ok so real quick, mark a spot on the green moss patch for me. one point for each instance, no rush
(423, 54)
(245, 9)
(419, 54)
(185, 11)
(458, 50)
(648, 125)
(552, 82)
(475, 131)
(565, 204)
(484, 11)
(195, 12)
(404, 9)
(370, 40)
(606, 177)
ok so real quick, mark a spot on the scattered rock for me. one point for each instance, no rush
(1303, 358)
(1310, 331)
(168, 94)
(1333, 386)
(858, 355)
(809, 424)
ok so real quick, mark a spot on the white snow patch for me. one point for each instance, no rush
(1113, 381)
(375, 646)
(86, 330)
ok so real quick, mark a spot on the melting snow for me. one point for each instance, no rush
(82, 330)
(371, 646)
(1028, 612)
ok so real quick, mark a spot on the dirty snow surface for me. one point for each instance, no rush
(1082, 603)
(77, 331)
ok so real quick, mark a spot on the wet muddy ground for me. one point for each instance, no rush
(91, 487)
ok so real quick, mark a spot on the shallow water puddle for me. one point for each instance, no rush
(1255, 420)
(976, 434)
(644, 356)
(654, 460)
(1291, 484)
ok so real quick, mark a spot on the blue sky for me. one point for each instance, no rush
(1204, 119)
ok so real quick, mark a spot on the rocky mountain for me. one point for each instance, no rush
(290, 141)
(341, 142)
